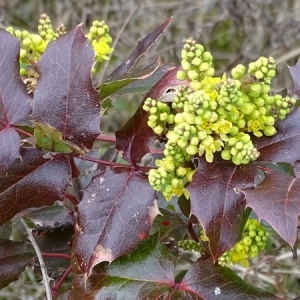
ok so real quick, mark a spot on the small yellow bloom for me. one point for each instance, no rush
(102, 48)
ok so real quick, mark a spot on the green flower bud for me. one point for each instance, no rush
(206, 56)
(158, 129)
(192, 74)
(259, 74)
(191, 149)
(210, 72)
(181, 75)
(269, 130)
(247, 108)
(204, 66)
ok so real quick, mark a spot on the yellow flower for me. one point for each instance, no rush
(102, 48)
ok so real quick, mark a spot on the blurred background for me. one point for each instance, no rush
(234, 31)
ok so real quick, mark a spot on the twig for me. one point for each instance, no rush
(59, 255)
(46, 278)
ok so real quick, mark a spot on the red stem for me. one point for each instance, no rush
(59, 255)
(55, 289)
(103, 162)
(106, 138)
(21, 131)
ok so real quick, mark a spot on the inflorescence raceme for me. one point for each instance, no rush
(212, 115)
(253, 241)
(33, 45)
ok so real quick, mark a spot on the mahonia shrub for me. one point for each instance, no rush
(221, 150)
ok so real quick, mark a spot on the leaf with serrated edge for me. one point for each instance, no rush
(282, 147)
(220, 213)
(115, 214)
(135, 138)
(14, 100)
(148, 272)
(14, 257)
(204, 280)
(32, 181)
(65, 97)
(276, 200)
(140, 49)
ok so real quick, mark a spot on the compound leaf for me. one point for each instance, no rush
(115, 214)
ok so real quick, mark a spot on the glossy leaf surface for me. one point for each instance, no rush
(14, 100)
(220, 213)
(276, 200)
(136, 137)
(32, 181)
(149, 273)
(65, 89)
(115, 214)
(14, 257)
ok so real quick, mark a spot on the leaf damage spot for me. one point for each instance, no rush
(165, 223)
(217, 291)
(153, 211)
(102, 254)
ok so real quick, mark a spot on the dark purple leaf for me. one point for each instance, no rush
(206, 281)
(9, 145)
(14, 100)
(115, 214)
(139, 50)
(32, 181)
(65, 97)
(276, 200)
(14, 257)
(136, 137)
(217, 202)
(285, 144)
